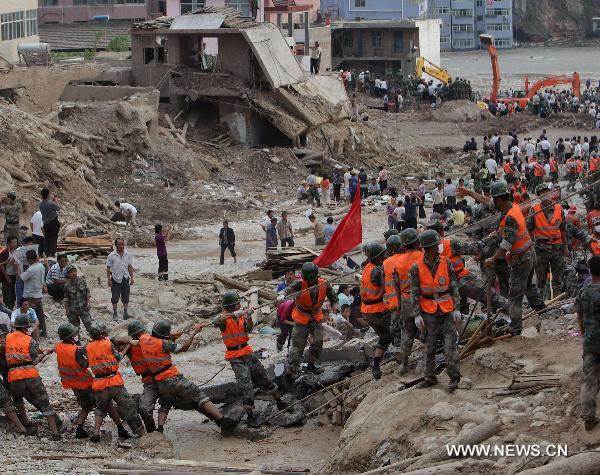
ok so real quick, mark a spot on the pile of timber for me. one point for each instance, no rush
(85, 247)
(156, 24)
(289, 258)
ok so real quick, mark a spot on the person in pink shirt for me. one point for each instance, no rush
(284, 318)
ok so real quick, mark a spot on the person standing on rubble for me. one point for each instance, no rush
(174, 389)
(160, 240)
(12, 210)
(235, 325)
(310, 293)
(285, 231)
(394, 253)
(119, 272)
(129, 212)
(373, 307)
(77, 299)
(547, 224)
(435, 301)
(227, 241)
(49, 209)
(587, 304)
(315, 58)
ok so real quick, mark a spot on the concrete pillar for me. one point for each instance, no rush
(279, 21)
(306, 35)
(290, 25)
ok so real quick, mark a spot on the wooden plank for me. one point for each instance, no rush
(236, 284)
(89, 242)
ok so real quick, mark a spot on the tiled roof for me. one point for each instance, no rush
(80, 36)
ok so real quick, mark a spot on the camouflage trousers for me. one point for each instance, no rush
(409, 330)
(34, 392)
(124, 402)
(590, 385)
(6, 404)
(78, 316)
(396, 327)
(180, 393)
(521, 285)
(11, 230)
(381, 324)
(549, 258)
(300, 335)
(250, 373)
(441, 327)
(147, 400)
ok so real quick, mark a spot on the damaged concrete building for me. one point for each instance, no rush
(235, 71)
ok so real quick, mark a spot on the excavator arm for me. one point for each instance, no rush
(422, 65)
(488, 41)
(555, 81)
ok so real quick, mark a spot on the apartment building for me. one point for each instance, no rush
(464, 20)
(84, 11)
(373, 9)
(18, 24)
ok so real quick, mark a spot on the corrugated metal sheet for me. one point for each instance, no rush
(206, 21)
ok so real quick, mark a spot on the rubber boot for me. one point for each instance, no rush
(160, 429)
(81, 433)
(149, 423)
(251, 419)
(282, 406)
(453, 385)
(375, 369)
(95, 438)
(311, 368)
(122, 432)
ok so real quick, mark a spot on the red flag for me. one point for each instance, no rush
(346, 237)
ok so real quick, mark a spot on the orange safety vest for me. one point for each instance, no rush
(403, 267)
(138, 363)
(435, 289)
(519, 189)
(595, 248)
(548, 232)
(523, 241)
(579, 166)
(158, 360)
(72, 375)
(305, 309)
(104, 365)
(553, 166)
(371, 295)
(458, 263)
(507, 168)
(18, 359)
(389, 270)
(594, 164)
(538, 170)
(236, 338)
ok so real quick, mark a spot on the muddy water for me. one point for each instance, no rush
(518, 63)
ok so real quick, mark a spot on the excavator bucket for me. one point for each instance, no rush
(487, 40)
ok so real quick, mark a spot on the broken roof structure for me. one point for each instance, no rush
(214, 53)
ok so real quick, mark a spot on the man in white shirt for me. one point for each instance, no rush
(119, 272)
(494, 139)
(129, 211)
(438, 198)
(37, 232)
(347, 176)
(383, 86)
(529, 149)
(315, 58)
(450, 194)
(545, 147)
(491, 165)
(377, 87)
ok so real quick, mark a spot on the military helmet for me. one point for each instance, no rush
(394, 244)
(230, 298)
(429, 238)
(434, 224)
(97, 329)
(66, 331)
(541, 187)
(69, 268)
(162, 328)
(374, 250)
(310, 271)
(408, 236)
(390, 232)
(498, 188)
(134, 327)
(22, 321)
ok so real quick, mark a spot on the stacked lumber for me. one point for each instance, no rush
(290, 258)
(85, 247)
(156, 24)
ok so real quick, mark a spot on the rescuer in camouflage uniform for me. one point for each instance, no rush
(438, 324)
(77, 299)
(12, 210)
(588, 318)
(548, 256)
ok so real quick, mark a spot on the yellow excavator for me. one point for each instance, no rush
(423, 65)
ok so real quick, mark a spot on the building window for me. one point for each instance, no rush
(462, 44)
(376, 38)
(462, 13)
(108, 2)
(441, 10)
(446, 25)
(12, 25)
(348, 39)
(50, 3)
(398, 42)
(32, 23)
(187, 6)
(498, 27)
(479, 3)
(479, 17)
(497, 12)
(445, 40)
(242, 5)
(462, 28)
(360, 3)
(502, 42)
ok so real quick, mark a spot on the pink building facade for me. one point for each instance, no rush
(81, 11)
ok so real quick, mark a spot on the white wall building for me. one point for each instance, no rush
(18, 24)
